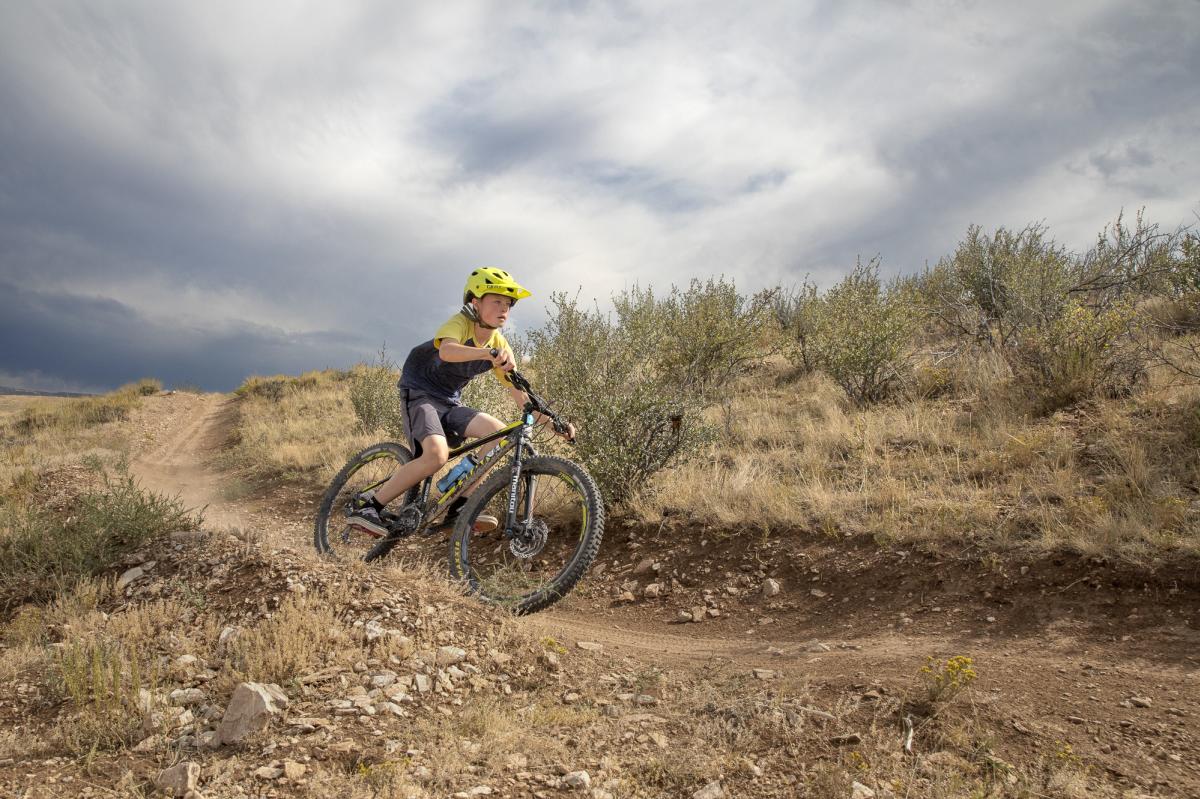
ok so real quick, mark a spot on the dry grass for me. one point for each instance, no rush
(303, 636)
(304, 430)
(1115, 476)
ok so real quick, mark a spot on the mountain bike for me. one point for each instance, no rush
(550, 514)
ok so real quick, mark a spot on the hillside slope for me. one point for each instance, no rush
(1085, 671)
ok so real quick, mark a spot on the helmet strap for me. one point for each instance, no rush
(468, 310)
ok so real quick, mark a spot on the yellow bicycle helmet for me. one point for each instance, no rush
(490, 280)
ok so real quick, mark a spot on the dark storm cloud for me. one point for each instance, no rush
(101, 342)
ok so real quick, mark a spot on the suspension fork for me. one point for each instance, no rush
(510, 522)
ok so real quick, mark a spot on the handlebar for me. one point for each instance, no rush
(520, 382)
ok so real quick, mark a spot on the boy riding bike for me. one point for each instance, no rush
(431, 384)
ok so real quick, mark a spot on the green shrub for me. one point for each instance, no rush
(146, 387)
(42, 550)
(862, 334)
(1081, 353)
(709, 333)
(271, 388)
(376, 398)
(1064, 323)
(634, 416)
(797, 313)
(995, 289)
(274, 388)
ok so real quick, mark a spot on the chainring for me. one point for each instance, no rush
(405, 521)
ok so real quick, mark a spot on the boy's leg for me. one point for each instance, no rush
(483, 424)
(422, 423)
(434, 452)
(368, 513)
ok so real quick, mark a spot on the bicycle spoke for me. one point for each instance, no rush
(547, 536)
(335, 534)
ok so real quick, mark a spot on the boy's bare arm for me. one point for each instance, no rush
(452, 351)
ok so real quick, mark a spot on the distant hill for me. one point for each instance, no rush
(27, 393)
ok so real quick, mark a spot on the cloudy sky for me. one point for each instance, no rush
(203, 191)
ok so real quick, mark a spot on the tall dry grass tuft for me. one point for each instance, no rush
(302, 431)
(304, 635)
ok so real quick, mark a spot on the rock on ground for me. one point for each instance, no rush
(251, 708)
(179, 779)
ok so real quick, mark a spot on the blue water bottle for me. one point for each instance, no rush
(459, 472)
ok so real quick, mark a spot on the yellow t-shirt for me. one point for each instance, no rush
(462, 330)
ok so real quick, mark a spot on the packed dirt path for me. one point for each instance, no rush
(180, 438)
(1076, 657)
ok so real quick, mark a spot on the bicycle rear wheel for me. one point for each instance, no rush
(369, 469)
(560, 522)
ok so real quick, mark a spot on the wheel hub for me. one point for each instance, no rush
(530, 539)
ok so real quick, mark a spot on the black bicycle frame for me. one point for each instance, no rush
(516, 434)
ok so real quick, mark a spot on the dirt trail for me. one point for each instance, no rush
(180, 437)
(182, 434)
(1057, 661)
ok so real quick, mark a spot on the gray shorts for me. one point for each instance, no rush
(426, 416)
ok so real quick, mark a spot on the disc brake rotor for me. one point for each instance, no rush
(529, 539)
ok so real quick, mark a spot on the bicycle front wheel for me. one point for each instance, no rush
(333, 533)
(560, 521)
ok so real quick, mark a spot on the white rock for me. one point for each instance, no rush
(578, 780)
(373, 631)
(186, 697)
(179, 779)
(652, 591)
(129, 577)
(860, 791)
(383, 679)
(250, 709)
(711, 791)
(448, 655)
(590, 646)
(227, 637)
(771, 587)
(422, 682)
